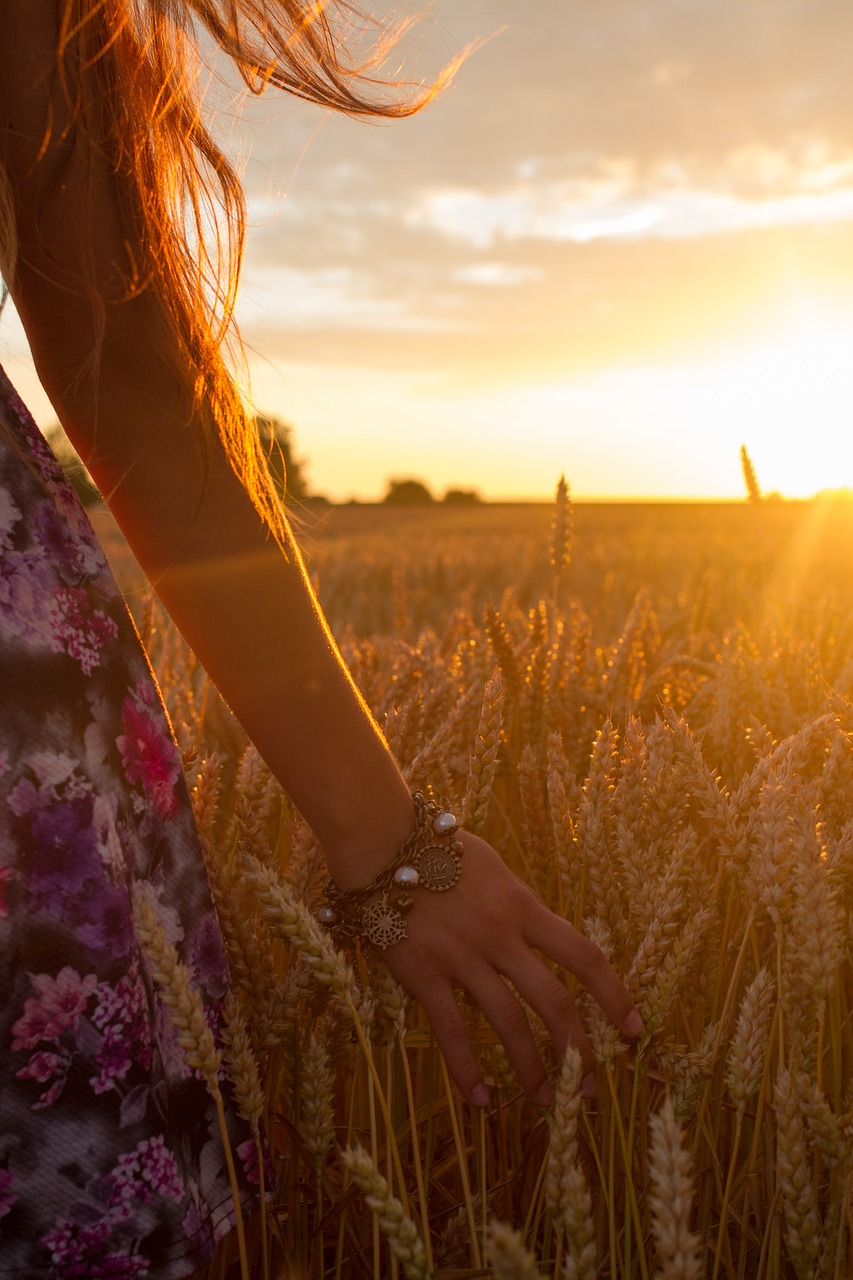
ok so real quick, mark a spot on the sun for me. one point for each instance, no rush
(787, 394)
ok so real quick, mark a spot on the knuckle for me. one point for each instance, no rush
(511, 1017)
(453, 1038)
(561, 1003)
(590, 960)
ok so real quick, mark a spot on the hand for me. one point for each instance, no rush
(482, 931)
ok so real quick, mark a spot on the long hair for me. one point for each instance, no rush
(131, 72)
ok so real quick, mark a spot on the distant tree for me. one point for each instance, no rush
(288, 471)
(75, 471)
(461, 497)
(753, 492)
(407, 493)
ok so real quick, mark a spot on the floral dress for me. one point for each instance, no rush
(111, 1161)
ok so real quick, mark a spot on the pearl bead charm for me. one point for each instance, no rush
(444, 823)
(406, 877)
(326, 915)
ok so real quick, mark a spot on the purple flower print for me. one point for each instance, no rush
(25, 584)
(198, 1228)
(147, 751)
(55, 1008)
(104, 923)
(9, 517)
(7, 876)
(7, 1195)
(78, 629)
(209, 965)
(69, 545)
(65, 857)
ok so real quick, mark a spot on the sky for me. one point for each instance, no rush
(619, 246)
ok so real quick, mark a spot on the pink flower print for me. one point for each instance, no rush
(78, 629)
(42, 1066)
(114, 1059)
(148, 753)
(148, 1171)
(24, 798)
(7, 1195)
(160, 1168)
(56, 1007)
(31, 1027)
(84, 1251)
(247, 1154)
(122, 1015)
(51, 769)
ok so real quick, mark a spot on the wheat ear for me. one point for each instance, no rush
(483, 760)
(509, 1259)
(186, 1013)
(670, 1199)
(794, 1173)
(398, 1229)
(566, 1189)
(292, 920)
(745, 1063)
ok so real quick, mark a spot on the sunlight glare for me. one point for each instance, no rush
(790, 394)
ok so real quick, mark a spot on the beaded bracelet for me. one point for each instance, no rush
(431, 858)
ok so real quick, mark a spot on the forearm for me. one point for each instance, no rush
(249, 613)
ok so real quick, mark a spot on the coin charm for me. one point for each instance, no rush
(382, 924)
(439, 868)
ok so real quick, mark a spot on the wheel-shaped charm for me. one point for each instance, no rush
(439, 868)
(383, 925)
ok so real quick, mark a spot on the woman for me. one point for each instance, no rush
(110, 1160)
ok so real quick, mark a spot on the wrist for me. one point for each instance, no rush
(369, 839)
(375, 913)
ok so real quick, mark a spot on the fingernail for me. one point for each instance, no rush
(545, 1096)
(634, 1024)
(480, 1095)
(589, 1086)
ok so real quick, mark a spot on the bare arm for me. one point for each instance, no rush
(247, 610)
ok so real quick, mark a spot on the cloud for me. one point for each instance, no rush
(500, 274)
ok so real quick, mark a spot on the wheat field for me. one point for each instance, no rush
(647, 710)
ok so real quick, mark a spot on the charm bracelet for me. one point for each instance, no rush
(431, 858)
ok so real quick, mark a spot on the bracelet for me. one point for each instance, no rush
(431, 858)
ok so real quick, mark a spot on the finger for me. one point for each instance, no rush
(577, 953)
(438, 1002)
(545, 993)
(506, 1014)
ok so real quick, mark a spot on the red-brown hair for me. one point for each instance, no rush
(131, 70)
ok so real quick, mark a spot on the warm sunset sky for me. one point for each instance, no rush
(619, 246)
